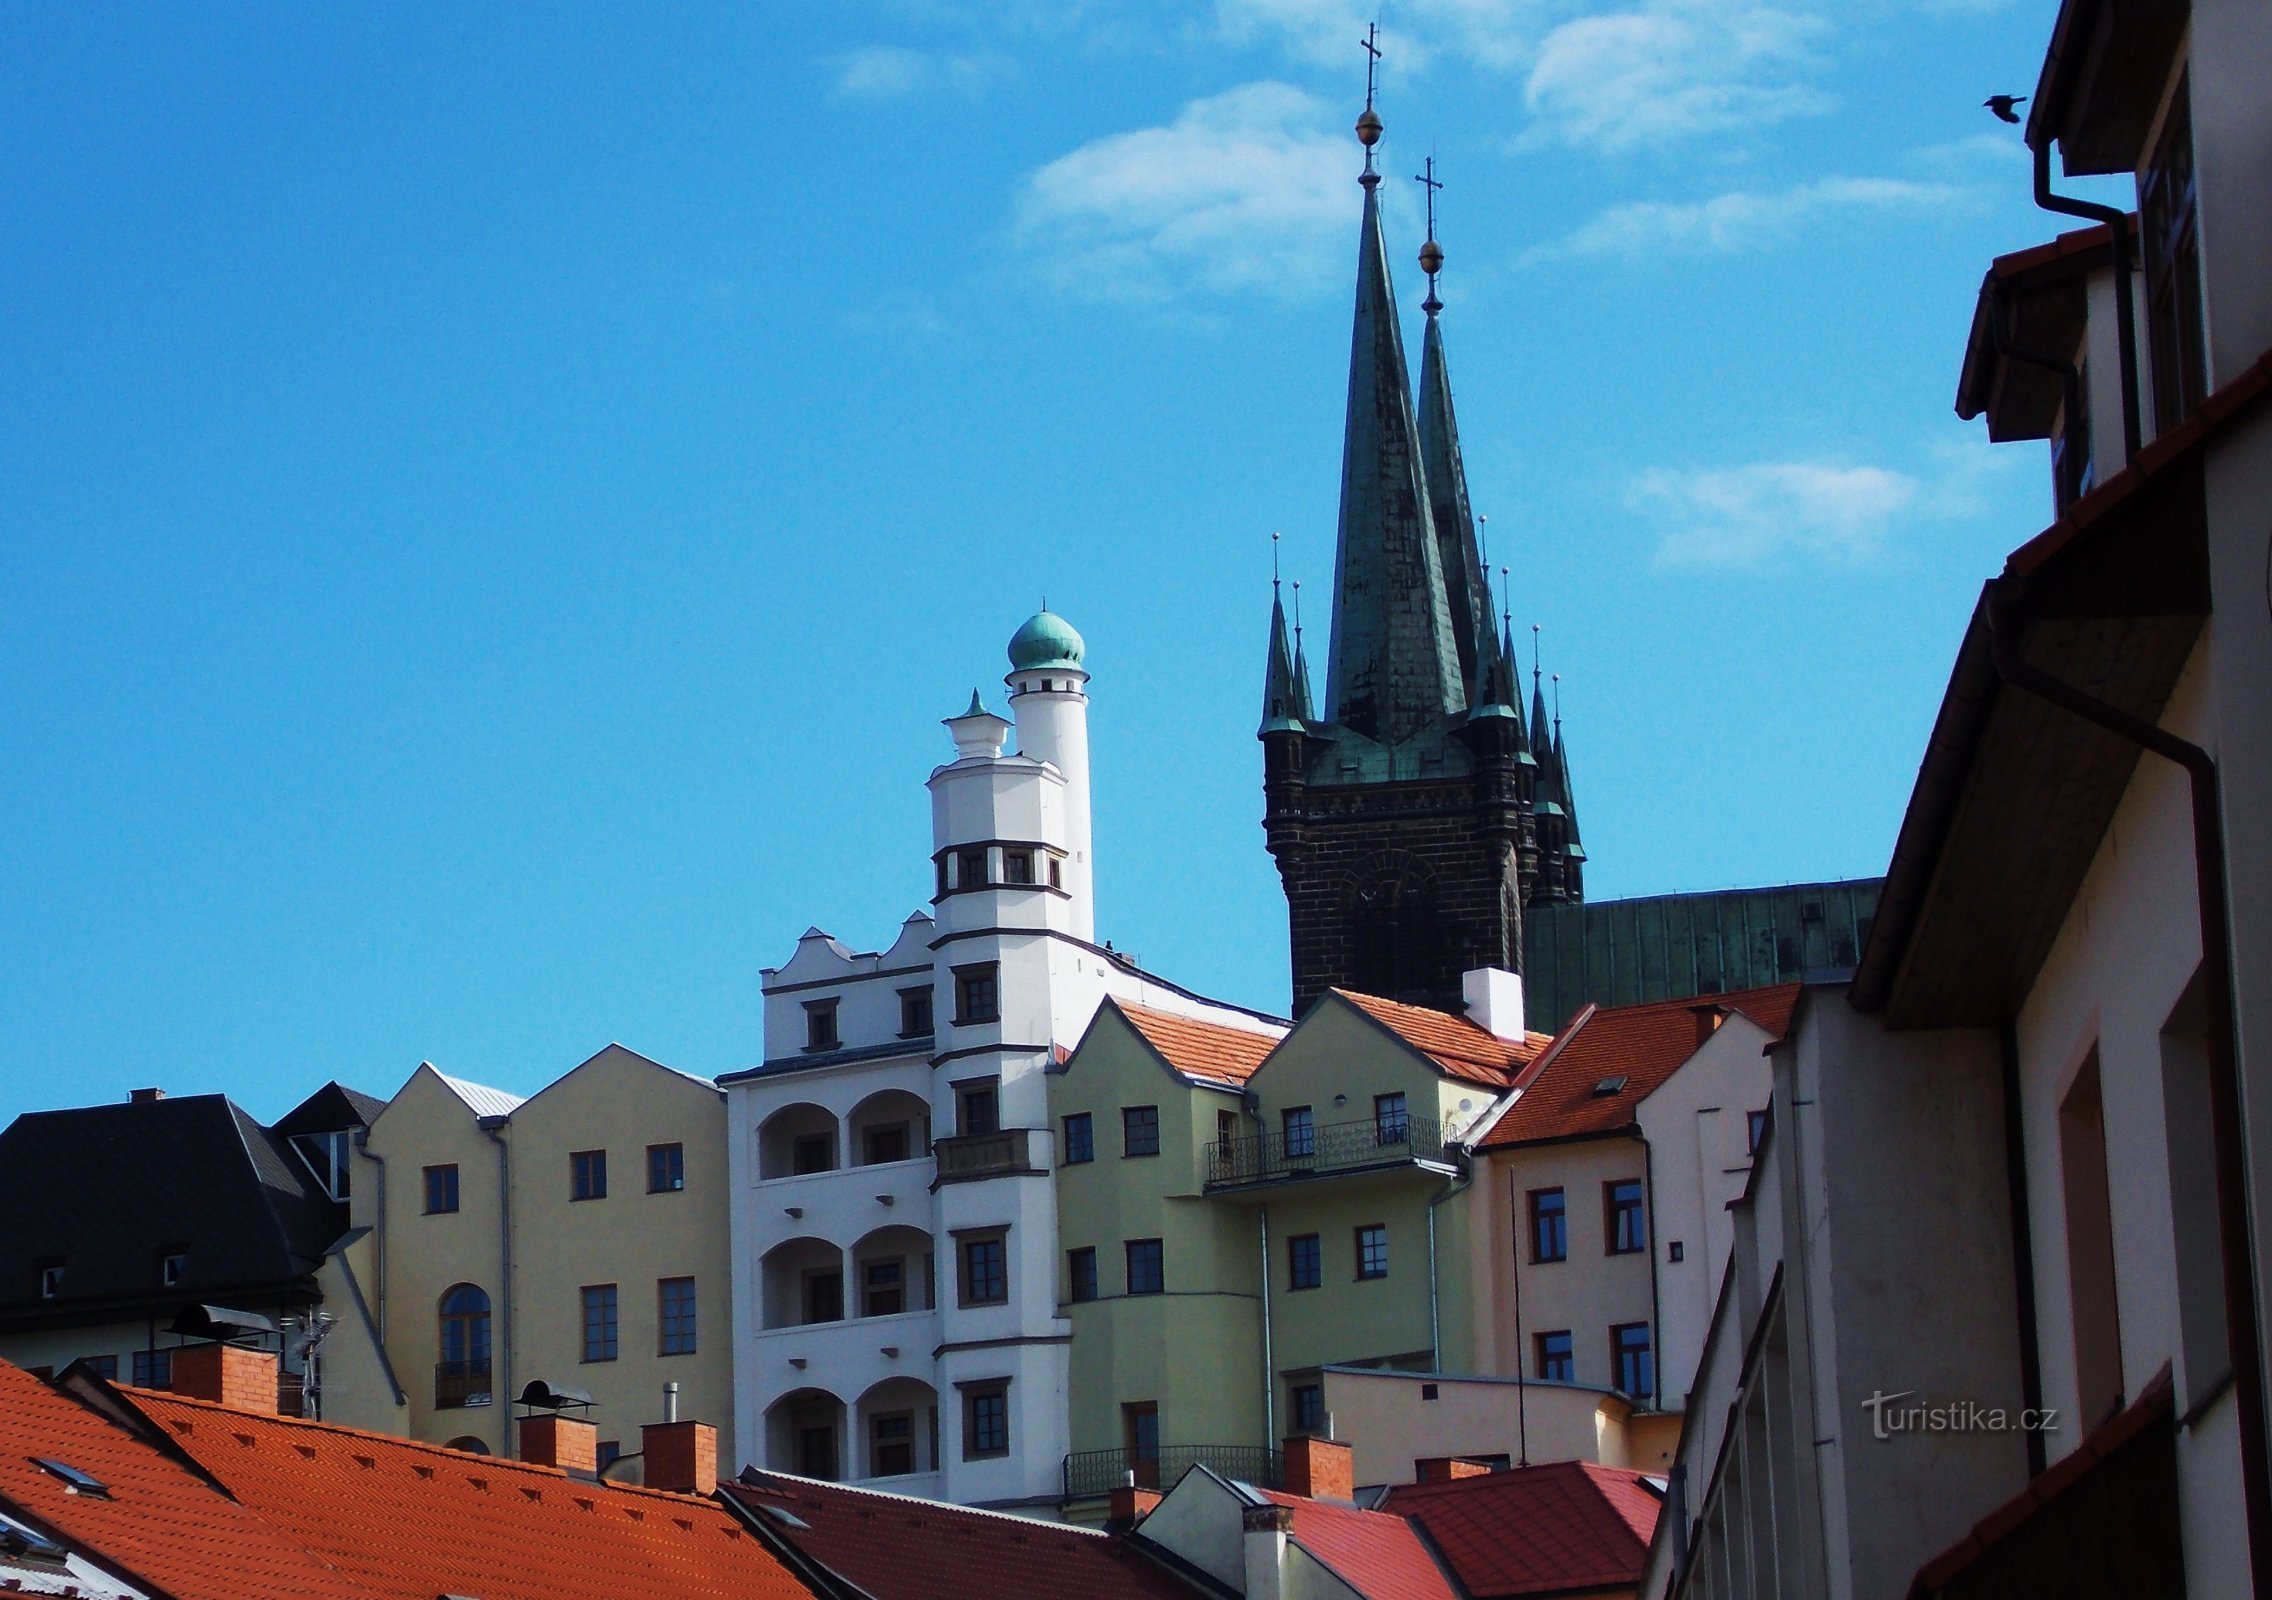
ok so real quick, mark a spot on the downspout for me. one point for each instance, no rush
(2125, 313)
(2243, 1338)
(2023, 1243)
(1269, 1362)
(502, 1345)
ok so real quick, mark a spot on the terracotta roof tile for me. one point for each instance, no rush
(1537, 1530)
(1378, 1555)
(897, 1548)
(1643, 1045)
(161, 1523)
(1211, 1052)
(1455, 1044)
(407, 1520)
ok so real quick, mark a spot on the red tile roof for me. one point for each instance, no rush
(407, 1521)
(897, 1548)
(161, 1524)
(1537, 1530)
(1455, 1044)
(1644, 1045)
(1210, 1052)
(1378, 1555)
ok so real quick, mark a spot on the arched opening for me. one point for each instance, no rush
(804, 1434)
(898, 1426)
(892, 1273)
(803, 1283)
(461, 1377)
(1393, 935)
(891, 1125)
(797, 1139)
(469, 1444)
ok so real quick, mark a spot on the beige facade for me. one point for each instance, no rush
(578, 1237)
(1395, 1420)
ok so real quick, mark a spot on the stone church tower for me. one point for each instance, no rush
(1418, 814)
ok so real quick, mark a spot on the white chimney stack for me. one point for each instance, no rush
(1494, 1001)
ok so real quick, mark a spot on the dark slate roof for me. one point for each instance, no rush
(330, 1109)
(1467, 587)
(110, 1190)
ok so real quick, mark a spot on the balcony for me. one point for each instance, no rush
(458, 1384)
(1093, 1474)
(1336, 1147)
(1008, 1152)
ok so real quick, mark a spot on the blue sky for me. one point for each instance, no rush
(494, 501)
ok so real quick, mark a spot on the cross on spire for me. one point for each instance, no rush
(1372, 59)
(1369, 121)
(1431, 253)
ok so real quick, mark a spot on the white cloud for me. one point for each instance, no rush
(1742, 516)
(1671, 70)
(893, 72)
(1246, 189)
(1741, 220)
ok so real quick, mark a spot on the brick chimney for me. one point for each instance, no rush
(227, 1374)
(1262, 1536)
(143, 1097)
(1129, 1505)
(681, 1457)
(1708, 1020)
(1321, 1469)
(572, 1444)
(1448, 1469)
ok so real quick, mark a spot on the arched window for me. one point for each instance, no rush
(461, 1377)
(469, 1444)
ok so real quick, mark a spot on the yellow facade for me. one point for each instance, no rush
(506, 1231)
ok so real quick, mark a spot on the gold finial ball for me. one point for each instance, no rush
(1431, 258)
(1369, 128)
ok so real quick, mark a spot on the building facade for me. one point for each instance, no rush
(1415, 815)
(894, 1219)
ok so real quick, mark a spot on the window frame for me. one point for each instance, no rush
(1549, 1204)
(1616, 1238)
(821, 1029)
(978, 994)
(877, 1444)
(870, 1288)
(666, 1168)
(587, 1175)
(977, 1092)
(1392, 1119)
(966, 1241)
(444, 1174)
(809, 1303)
(1131, 1119)
(604, 1299)
(1305, 1250)
(1305, 1408)
(1081, 1151)
(1547, 1354)
(1156, 1253)
(1642, 1356)
(1304, 1118)
(915, 1007)
(993, 1392)
(688, 1315)
(1365, 1241)
(2169, 228)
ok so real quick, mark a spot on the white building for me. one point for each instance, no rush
(894, 1223)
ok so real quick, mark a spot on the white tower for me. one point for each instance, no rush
(1051, 706)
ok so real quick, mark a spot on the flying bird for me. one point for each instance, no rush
(2002, 105)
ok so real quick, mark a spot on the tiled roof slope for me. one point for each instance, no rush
(896, 1548)
(146, 1178)
(1378, 1555)
(409, 1521)
(1455, 1044)
(1643, 1044)
(1568, 1525)
(161, 1524)
(1211, 1052)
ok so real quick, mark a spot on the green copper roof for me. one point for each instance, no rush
(1467, 587)
(1045, 640)
(1281, 701)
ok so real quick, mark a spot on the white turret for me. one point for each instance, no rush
(1049, 700)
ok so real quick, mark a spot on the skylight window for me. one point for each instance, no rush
(78, 1482)
(22, 1543)
(1608, 1087)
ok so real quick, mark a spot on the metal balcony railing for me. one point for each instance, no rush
(987, 1155)
(1092, 1474)
(458, 1384)
(1333, 1147)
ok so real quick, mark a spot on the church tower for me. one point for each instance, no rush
(1416, 815)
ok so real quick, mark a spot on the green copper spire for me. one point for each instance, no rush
(1305, 708)
(1281, 698)
(1395, 668)
(1466, 583)
(1562, 780)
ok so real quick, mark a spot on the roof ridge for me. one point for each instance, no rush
(831, 1487)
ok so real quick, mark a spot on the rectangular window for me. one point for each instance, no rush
(587, 1175)
(1056, 873)
(1372, 1250)
(1305, 1262)
(1139, 1130)
(153, 1369)
(2168, 224)
(881, 1145)
(883, 1289)
(1390, 1126)
(50, 1280)
(1080, 1138)
(171, 1267)
(1755, 1129)
(978, 1109)
(824, 1297)
(820, 1025)
(1300, 1131)
(1625, 1223)
(104, 1367)
(599, 1321)
(941, 863)
(812, 1152)
(1081, 1272)
(666, 1168)
(1309, 1407)
(441, 1189)
(915, 1012)
(1629, 1356)
(610, 1451)
(1549, 1226)
(985, 1270)
(1556, 1364)
(1017, 866)
(970, 869)
(978, 994)
(985, 1422)
(1147, 1270)
(891, 1444)
(675, 1298)
(1140, 1436)
(816, 1453)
